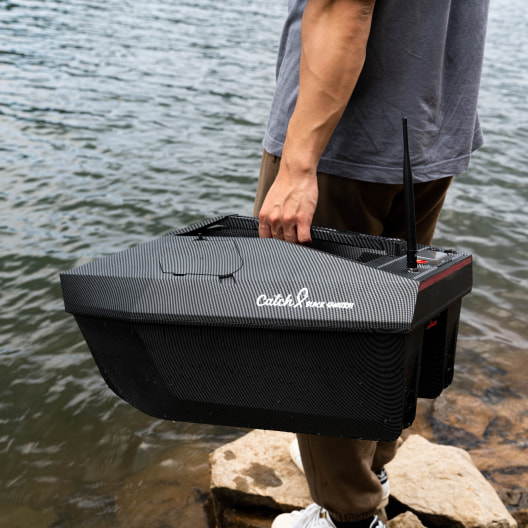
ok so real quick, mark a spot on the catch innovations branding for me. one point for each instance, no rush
(301, 300)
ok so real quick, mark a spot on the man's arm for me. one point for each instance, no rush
(334, 39)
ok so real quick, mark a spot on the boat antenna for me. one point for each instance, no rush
(408, 191)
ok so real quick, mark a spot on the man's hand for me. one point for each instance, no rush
(289, 206)
(334, 39)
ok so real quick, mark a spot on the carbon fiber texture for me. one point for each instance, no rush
(173, 279)
(351, 385)
(212, 324)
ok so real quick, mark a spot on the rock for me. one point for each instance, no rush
(495, 436)
(257, 471)
(440, 484)
(522, 518)
(443, 487)
(504, 456)
(503, 459)
(405, 520)
(463, 412)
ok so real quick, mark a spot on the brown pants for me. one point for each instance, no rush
(339, 471)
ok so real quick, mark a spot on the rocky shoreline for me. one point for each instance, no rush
(462, 464)
(494, 434)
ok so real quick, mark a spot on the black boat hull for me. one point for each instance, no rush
(183, 335)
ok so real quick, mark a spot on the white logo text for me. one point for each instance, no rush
(301, 300)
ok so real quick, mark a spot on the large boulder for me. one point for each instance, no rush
(442, 485)
(256, 471)
(439, 484)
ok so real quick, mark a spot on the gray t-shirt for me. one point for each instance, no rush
(424, 61)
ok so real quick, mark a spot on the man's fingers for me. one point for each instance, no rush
(271, 223)
(304, 236)
(292, 228)
(270, 228)
(276, 228)
(288, 209)
(289, 230)
(290, 233)
(264, 229)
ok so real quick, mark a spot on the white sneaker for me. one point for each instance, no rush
(381, 474)
(384, 481)
(312, 517)
(377, 523)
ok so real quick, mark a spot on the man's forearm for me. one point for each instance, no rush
(334, 40)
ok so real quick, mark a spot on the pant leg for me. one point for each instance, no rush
(339, 475)
(269, 167)
(339, 471)
(385, 452)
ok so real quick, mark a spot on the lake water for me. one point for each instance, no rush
(121, 120)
